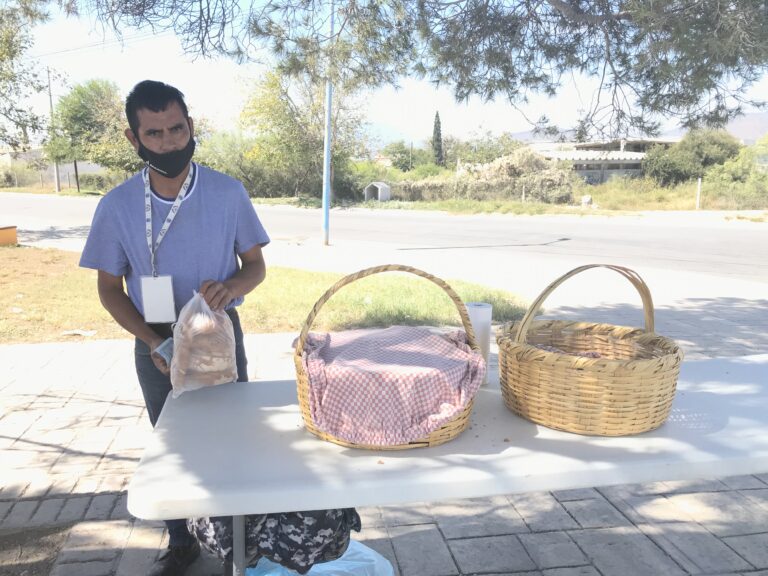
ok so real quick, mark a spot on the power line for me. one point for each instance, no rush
(94, 45)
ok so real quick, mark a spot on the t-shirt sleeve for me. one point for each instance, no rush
(103, 249)
(249, 232)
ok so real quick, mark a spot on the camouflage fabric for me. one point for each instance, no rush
(296, 540)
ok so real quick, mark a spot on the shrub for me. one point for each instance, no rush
(522, 174)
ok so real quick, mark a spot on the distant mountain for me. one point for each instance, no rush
(749, 128)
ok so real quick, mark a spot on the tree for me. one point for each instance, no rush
(691, 157)
(688, 60)
(19, 79)
(437, 141)
(478, 150)
(286, 118)
(89, 125)
(406, 158)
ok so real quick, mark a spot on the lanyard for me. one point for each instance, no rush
(171, 214)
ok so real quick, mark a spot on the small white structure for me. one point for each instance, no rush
(377, 191)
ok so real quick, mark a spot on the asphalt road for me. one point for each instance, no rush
(705, 242)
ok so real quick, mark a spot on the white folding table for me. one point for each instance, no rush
(241, 449)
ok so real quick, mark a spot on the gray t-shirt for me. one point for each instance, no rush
(215, 222)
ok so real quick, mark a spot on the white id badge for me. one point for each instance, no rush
(157, 299)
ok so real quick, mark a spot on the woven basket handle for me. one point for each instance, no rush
(387, 268)
(630, 275)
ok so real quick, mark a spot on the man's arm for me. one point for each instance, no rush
(116, 302)
(252, 273)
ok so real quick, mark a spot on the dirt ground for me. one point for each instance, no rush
(31, 552)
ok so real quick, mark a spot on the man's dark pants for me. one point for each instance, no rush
(155, 387)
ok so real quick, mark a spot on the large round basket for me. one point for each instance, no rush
(446, 432)
(588, 378)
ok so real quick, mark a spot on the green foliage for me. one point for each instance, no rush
(437, 142)
(19, 79)
(89, 125)
(99, 181)
(286, 117)
(689, 158)
(230, 153)
(478, 150)
(400, 155)
(693, 61)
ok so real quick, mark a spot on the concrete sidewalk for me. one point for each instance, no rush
(73, 427)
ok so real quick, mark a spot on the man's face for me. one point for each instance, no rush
(162, 131)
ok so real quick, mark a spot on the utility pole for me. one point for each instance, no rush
(327, 138)
(55, 162)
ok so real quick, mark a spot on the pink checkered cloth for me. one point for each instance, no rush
(391, 386)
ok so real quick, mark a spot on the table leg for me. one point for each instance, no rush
(238, 545)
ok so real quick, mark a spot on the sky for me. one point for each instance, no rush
(77, 50)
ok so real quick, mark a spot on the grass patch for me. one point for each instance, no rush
(45, 294)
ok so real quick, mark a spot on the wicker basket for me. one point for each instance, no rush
(446, 432)
(627, 390)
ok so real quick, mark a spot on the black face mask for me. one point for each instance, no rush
(169, 164)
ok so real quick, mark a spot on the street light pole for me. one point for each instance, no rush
(55, 162)
(327, 139)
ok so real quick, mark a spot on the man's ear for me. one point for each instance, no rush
(132, 139)
(191, 127)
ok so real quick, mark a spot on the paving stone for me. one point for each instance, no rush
(552, 549)
(74, 509)
(477, 517)
(101, 506)
(87, 485)
(624, 552)
(702, 552)
(651, 509)
(577, 494)
(48, 511)
(370, 516)
(83, 569)
(4, 508)
(62, 485)
(69, 556)
(21, 513)
(722, 513)
(141, 549)
(541, 512)
(759, 497)
(754, 548)
(421, 551)
(743, 482)
(490, 554)
(595, 514)
(574, 571)
(39, 487)
(12, 490)
(417, 513)
(689, 486)
(377, 538)
(113, 483)
(120, 511)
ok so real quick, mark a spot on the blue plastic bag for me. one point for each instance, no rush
(358, 560)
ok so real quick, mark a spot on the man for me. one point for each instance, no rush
(172, 229)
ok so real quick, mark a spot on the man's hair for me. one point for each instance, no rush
(154, 96)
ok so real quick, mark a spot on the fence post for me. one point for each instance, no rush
(41, 179)
(698, 193)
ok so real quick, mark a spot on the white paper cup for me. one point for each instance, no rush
(480, 314)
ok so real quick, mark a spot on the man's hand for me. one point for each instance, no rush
(216, 294)
(158, 360)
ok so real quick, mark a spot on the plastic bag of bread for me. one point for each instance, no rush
(203, 348)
